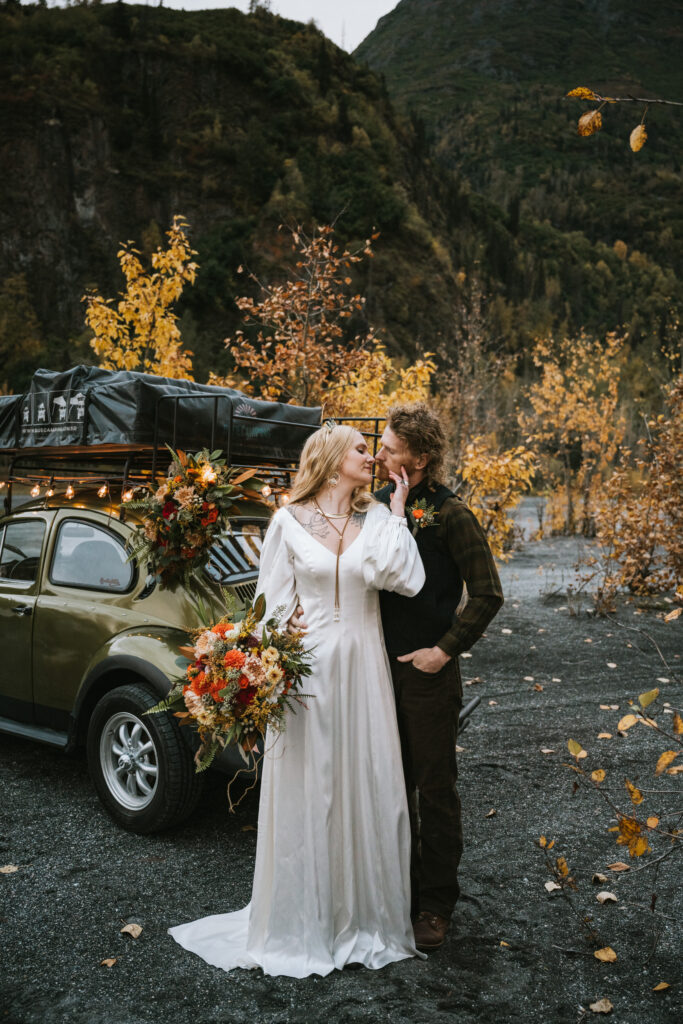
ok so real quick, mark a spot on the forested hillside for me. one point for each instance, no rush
(116, 117)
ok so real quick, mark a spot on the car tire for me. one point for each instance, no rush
(141, 767)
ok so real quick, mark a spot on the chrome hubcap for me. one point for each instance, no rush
(129, 761)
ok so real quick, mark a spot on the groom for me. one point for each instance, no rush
(423, 637)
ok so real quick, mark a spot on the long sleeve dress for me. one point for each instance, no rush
(332, 876)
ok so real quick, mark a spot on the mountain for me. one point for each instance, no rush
(116, 117)
(487, 79)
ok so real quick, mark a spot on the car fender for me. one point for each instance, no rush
(150, 653)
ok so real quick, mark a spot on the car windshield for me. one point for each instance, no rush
(234, 557)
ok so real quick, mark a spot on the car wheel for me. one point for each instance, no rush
(142, 769)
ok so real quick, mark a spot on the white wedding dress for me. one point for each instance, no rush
(332, 876)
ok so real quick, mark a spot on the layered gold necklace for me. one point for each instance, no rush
(329, 516)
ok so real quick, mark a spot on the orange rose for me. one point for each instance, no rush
(234, 659)
(418, 513)
(222, 628)
(200, 684)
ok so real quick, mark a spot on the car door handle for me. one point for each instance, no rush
(22, 609)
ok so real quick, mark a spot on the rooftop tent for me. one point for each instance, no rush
(87, 407)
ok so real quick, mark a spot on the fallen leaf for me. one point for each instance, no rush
(646, 698)
(555, 680)
(633, 792)
(611, 664)
(248, 828)
(606, 954)
(604, 735)
(597, 878)
(678, 724)
(551, 886)
(133, 930)
(466, 654)
(8, 869)
(542, 841)
(665, 760)
(588, 640)
(458, 750)
(602, 1005)
(551, 844)
(547, 750)
(652, 822)
(614, 707)
(109, 962)
(506, 631)
(660, 986)
(676, 770)
(598, 775)
(626, 722)
(650, 722)
(575, 748)
(670, 616)
(493, 703)
(491, 813)
(503, 943)
(618, 865)
(662, 679)
(528, 679)
(604, 707)
(606, 897)
(538, 687)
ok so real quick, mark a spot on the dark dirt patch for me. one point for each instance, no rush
(81, 878)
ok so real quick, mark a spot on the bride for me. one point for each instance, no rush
(332, 876)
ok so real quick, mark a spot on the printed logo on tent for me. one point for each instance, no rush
(52, 412)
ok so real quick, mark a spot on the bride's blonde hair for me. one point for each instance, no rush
(321, 458)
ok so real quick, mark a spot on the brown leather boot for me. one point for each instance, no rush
(430, 930)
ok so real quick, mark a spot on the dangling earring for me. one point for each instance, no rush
(332, 482)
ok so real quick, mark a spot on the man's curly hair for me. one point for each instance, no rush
(418, 427)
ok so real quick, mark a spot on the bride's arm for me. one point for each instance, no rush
(276, 580)
(391, 560)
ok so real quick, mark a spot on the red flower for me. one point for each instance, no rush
(205, 522)
(245, 696)
(205, 505)
(169, 509)
(213, 515)
(244, 682)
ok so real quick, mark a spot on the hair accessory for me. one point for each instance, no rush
(330, 424)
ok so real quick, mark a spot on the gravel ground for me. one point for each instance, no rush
(514, 953)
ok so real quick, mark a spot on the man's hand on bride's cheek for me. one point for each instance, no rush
(427, 659)
(297, 623)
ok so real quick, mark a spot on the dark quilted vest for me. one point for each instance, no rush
(413, 622)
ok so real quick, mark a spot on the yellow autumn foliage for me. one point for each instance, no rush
(638, 138)
(581, 93)
(377, 382)
(494, 482)
(140, 331)
(590, 122)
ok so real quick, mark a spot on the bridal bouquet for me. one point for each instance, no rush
(242, 677)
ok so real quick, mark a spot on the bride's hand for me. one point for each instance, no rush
(397, 502)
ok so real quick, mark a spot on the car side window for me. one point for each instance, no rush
(21, 546)
(91, 557)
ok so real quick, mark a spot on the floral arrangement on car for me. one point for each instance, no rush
(181, 518)
(243, 677)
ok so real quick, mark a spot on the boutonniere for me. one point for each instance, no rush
(422, 515)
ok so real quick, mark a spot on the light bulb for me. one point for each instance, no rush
(127, 495)
(102, 492)
(266, 491)
(2, 484)
(208, 474)
(70, 491)
(49, 493)
(35, 491)
(284, 497)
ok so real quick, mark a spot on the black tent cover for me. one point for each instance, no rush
(87, 407)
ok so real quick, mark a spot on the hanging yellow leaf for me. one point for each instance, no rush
(601, 1006)
(678, 724)
(581, 93)
(665, 760)
(638, 138)
(661, 986)
(634, 793)
(606, 954)
(646, 698)
(630, 835)
(652, 822)
(562, 866)
(626, 722)
(598, 775)
(590, 122)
